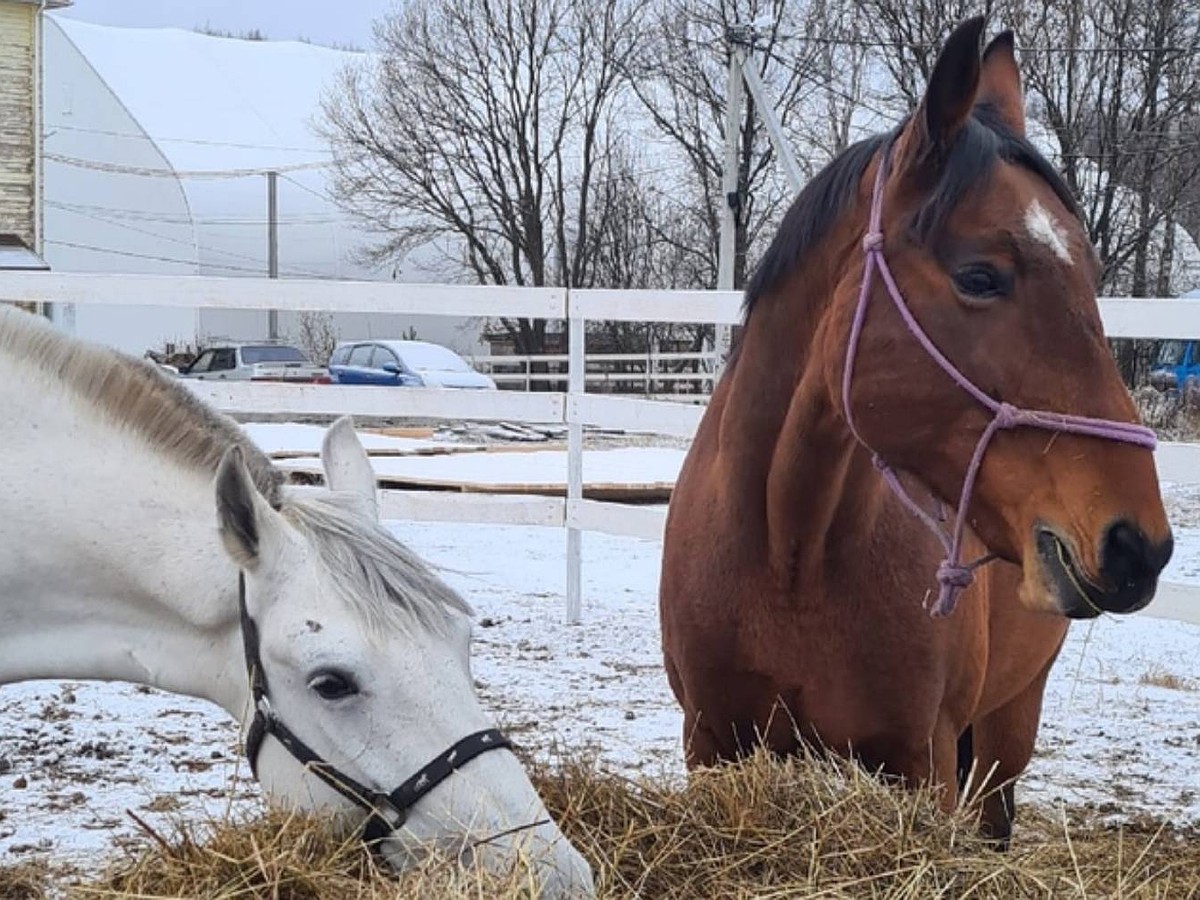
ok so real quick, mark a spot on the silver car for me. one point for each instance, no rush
(254, 362)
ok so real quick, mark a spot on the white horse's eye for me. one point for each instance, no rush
(333, 685)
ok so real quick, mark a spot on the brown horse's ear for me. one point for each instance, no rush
(1000, 82)
(948, 99)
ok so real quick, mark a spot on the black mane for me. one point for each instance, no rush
(984, 141)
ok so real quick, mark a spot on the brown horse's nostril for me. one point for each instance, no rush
(1130, 563)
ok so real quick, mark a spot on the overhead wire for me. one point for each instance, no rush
(200, 248)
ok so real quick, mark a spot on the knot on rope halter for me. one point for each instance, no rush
(1007, 416)
(873, 241)
(879, 463)
(952, 579)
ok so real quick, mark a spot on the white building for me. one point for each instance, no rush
(156, 142)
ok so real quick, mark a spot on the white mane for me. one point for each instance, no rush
(366, 565)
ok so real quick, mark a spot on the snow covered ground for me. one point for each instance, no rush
(74, 757)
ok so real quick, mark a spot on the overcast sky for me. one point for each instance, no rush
(346, 22)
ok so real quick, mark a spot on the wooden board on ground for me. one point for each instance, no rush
(628, 475)
(289, 440)
(414, 431)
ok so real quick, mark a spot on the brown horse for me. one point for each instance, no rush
(794, 581)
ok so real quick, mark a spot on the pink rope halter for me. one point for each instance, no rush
(953, 575)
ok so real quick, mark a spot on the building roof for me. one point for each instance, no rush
(212, 114)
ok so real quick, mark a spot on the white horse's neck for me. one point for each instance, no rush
(111, 566)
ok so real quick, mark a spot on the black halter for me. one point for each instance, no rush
(386, 812)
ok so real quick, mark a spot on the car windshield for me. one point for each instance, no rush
(432, 358)
(272, 354)
(1171, 353)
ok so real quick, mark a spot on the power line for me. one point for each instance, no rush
(320, 195)
(878, 44)
(204, 142)
(189, 244)
(120, 169)
(139, 215)
(169, 259)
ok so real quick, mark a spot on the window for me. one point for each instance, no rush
(433, 358)
(223, 360)
(382, 357)
(203, 362)
(361, 355)
(340, 355)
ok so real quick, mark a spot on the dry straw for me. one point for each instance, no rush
(801, 828)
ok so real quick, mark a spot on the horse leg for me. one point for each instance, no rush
(1004, 741)
(931, 762)
(699, 744)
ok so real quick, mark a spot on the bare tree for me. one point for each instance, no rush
(681, 79)
(910, 35)
(642, 236)
(481, 130)
(1116, 83)
(1113, 93)
(317, 336)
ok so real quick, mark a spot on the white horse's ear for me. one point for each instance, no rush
(246, 520)
(347, 466)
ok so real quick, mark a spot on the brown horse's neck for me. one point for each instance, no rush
(795, 463)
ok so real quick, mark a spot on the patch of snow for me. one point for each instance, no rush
(290, 438)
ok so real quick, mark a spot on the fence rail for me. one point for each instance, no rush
(643, 370)
(577, 409)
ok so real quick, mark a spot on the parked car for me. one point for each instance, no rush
(254, 362)
(1177, 365)
(404, 364)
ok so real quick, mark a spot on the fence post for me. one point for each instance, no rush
(576, 385)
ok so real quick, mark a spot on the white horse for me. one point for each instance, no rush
(291, 608)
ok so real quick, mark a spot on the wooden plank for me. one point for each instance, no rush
(192, 291)
(309, 471)
(615, 518)
(1122, 317)
(1125, 317)
(720, 307)
(247, 398)
(617, 494)
(539, 471)
(295, 440)
(1178, 463)
(1177, 601)
(629, 414)
(422, 432)
(389, 452)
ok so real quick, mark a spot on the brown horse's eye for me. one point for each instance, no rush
(980, 281)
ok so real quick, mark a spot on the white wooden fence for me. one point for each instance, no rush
(643, 372)
(1178, 463)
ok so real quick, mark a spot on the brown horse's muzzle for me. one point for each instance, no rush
(1129, 566)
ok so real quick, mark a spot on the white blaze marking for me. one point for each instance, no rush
(1044, 228)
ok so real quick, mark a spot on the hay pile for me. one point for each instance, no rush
(767, 829)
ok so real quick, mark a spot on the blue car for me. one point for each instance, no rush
(1177, 366)
(404, 364)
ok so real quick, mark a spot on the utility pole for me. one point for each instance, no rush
(766, 109)
(742, 74)
(736, 37)
(273, 247)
